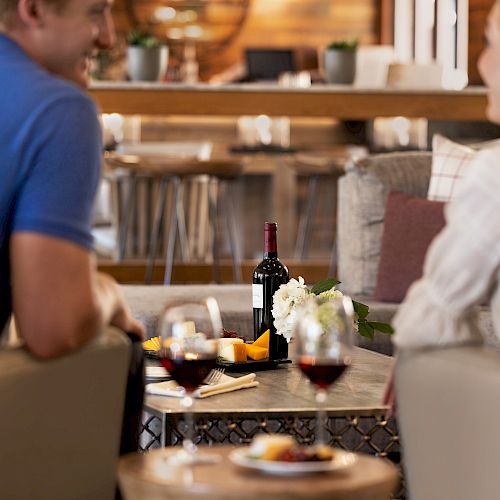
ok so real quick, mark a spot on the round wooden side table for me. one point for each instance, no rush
(147, 477)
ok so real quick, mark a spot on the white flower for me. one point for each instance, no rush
(285, 301)
(289, 297)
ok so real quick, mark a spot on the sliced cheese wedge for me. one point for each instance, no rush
(240, 353)
(257, 353)
(229, 341)
(234, 353)
(263, 340)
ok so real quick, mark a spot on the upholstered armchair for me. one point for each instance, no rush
(448, 414)
(363, 192)
(61, 421)
(362, 197)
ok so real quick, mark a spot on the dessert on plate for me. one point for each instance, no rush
(283, 448)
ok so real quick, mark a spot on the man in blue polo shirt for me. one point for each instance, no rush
(50, 158)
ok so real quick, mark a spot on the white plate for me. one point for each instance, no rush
(341, 460)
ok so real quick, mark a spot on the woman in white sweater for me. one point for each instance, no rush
(462, 266)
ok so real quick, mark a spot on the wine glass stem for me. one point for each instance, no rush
(188, 405)
(321, 417)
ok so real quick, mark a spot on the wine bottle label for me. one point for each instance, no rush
(258, 295)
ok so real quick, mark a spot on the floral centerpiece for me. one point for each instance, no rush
(294, 294)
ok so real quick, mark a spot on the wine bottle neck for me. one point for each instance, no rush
(270, 255)
(270, 244)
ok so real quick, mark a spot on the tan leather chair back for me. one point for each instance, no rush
(448, 416)
(60, 421)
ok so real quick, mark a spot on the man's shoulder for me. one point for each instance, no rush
(25, 82)
(50, 89)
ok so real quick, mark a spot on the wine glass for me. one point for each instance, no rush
(189, 334)
(322, 333)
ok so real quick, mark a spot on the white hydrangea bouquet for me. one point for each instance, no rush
(292, 295)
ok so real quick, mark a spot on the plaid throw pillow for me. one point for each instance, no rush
(450, 162)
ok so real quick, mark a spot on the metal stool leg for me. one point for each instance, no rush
(332, 268)
(193, 197)
(156, 230)
(181, 223)
(203, 220)
(212, 212)
(228, 208)
(304, 229)
(172, 230)
(128, 207)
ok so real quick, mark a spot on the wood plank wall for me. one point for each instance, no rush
(478, 12)
(312, 23)
(288, 23)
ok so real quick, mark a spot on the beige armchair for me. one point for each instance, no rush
(448, 414)
(60, 421)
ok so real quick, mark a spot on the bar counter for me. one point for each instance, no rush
(336, 101)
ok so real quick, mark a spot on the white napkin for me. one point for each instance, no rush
(155, 372)
(226, 384)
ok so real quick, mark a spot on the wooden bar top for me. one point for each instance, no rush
(336, 101)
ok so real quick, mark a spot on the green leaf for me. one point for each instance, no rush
(381, 327)
(360, 309)
(344, 44)
(366, 330)
(324, 285)
(141, 39)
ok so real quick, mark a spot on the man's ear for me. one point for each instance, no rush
(31, 12)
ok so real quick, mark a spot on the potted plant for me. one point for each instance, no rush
(340, 61)
(147, 58)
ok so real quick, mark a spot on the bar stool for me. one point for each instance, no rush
(318, 168)
(214, 174)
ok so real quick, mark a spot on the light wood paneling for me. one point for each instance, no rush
(478, 12)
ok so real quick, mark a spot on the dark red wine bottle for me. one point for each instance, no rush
(267, 278)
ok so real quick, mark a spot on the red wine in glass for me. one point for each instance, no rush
(189, 372)
(322, 372)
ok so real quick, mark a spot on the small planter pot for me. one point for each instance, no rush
(147, 64)
(340, 65)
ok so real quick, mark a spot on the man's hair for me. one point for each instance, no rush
(8, 7)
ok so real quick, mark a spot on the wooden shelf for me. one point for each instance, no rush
(344, 102)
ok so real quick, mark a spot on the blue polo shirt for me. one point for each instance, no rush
(50, 158)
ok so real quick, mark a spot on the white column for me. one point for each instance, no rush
(424, 31)
(403, 30)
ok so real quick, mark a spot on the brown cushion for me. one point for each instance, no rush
(410, 225)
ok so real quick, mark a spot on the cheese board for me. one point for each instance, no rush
(251, 365)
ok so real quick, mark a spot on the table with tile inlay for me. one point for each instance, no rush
(284, 402)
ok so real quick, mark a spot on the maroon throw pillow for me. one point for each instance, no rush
(410, 225)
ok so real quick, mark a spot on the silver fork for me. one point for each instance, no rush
(214, 376)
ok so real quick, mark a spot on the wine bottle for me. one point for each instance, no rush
(267, 278)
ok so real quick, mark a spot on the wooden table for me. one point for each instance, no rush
(284, 402)
(145, 477)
